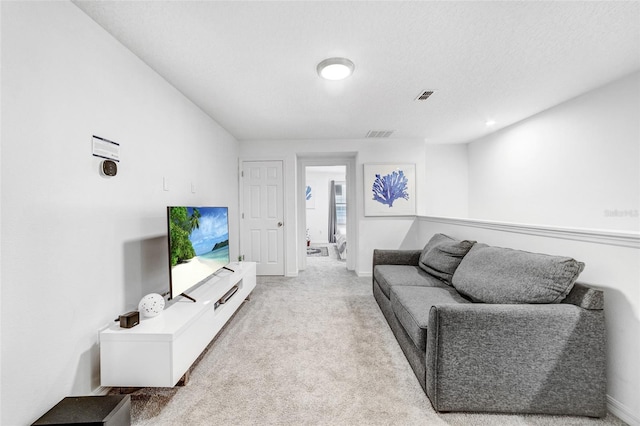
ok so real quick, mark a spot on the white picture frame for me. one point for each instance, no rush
(390, 189)
(310, 195)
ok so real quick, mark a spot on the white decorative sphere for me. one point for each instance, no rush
(151, 305)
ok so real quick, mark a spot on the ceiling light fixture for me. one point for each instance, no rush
(490, 123)
(335, 68)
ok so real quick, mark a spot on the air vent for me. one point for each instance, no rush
(379, 133)
(424, 95)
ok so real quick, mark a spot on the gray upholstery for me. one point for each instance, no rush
(442, 255)
(396, 257)
(415, 356)
(390, 275)
(409, 303)
(585, 297)
(513, 358)
(501, 275)
(516, 359)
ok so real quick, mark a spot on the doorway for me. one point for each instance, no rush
(326, 211)
(339, 166)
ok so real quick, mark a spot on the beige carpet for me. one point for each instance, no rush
(311, 350)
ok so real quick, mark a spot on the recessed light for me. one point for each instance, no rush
(335, 68)
(490, 123)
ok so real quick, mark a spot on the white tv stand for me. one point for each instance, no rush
(160, 350)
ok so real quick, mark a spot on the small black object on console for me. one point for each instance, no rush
(130, 319)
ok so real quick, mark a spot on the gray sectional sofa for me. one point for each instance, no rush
(490, 329)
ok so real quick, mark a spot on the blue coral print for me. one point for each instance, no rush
(386, 189)
(308, 193)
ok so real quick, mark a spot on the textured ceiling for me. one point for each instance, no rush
(252, 65)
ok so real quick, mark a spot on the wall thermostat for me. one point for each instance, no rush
(109, 168)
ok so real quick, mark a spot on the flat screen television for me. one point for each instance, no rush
(198, 245)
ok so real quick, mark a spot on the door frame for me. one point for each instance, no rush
(347, 159)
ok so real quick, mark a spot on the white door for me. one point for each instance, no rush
(262, 224)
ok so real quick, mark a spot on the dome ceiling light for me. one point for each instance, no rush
(335, 68)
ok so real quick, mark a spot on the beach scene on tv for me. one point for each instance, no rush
(199, 244)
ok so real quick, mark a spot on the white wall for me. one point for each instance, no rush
(447, 180)
(79, 249)
(573, 165)
(369, 229)
(318, 216)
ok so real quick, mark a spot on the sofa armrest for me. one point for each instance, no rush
(516, 358)
(396, 257)
(586, 297)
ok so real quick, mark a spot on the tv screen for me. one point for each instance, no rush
(198, 245)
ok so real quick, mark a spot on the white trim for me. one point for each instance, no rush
(622, 412)
(614, 238)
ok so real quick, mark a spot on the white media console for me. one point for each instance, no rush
(160, 350)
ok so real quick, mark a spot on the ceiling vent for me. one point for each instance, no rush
(424, 95)
(379, 133)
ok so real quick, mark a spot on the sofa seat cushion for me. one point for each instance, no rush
(442, 254)
(501, 275)
(388, 276)
(411, 305)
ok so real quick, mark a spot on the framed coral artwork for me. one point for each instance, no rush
(309, 195)
(389, 189)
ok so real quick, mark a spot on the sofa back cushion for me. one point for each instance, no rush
(501, 275)
(442, 255)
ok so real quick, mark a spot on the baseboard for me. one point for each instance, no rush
(622, 412)
(100, 390)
